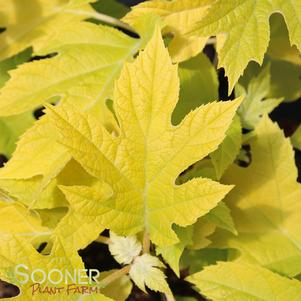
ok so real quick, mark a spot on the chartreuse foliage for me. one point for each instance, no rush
(135, 141)
(131, 199)
(265, 206)
(242, 30)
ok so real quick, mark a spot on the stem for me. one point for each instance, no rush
(103, 240)
(101, 17)
(146, 243)
(114, 276)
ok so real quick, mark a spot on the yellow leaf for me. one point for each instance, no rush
(16, 219)
(18, 256)
(26, 22)
(178, 15)
(89, 58)
(228, 281)
(242, 31)
(265, 204)
(143, 162)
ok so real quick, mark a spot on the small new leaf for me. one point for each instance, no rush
(124, 249)
(146, 271)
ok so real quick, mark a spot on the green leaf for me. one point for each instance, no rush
(198, 85)
(173, 253)
(161, 150)
(12, 63)
(11, 128)
(111, 8)
(255, 103)
(232, 281)
(221, 217)
(196, 260)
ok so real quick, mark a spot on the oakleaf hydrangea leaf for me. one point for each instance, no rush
(118, 290)
(265, 204)
(27, 22)
(221, 217)
(146, 270)
(256, 103)
(15, 250)
(228, 150)
(142, 163)
(173, 253)
(228, 281)
(279, 47)
(242, 30)
(11, 128)
(178, 15)
(88, 59)
(16, 219)
(198, 86)
(124, 249)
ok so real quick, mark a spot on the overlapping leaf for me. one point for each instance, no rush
(242, 30)
(265, 204)
(178, 15)
(143, 162)
(16, 250)
(232, 281)
(87, 79)
(256, 103)
(27, 22)
(88, 59)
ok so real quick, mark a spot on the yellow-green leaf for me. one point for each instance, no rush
(11, 128)
(242, 30)
(198, 85)
(256, 103)
(178, 15)
(228, 281)
(118, 290)
(228, 149)
(18, 220)
(265, 204)
(221, 217)
(89, 58)
(279, 47)
(172, 254)
(16, 251)
(142, 163)
(27, 22)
